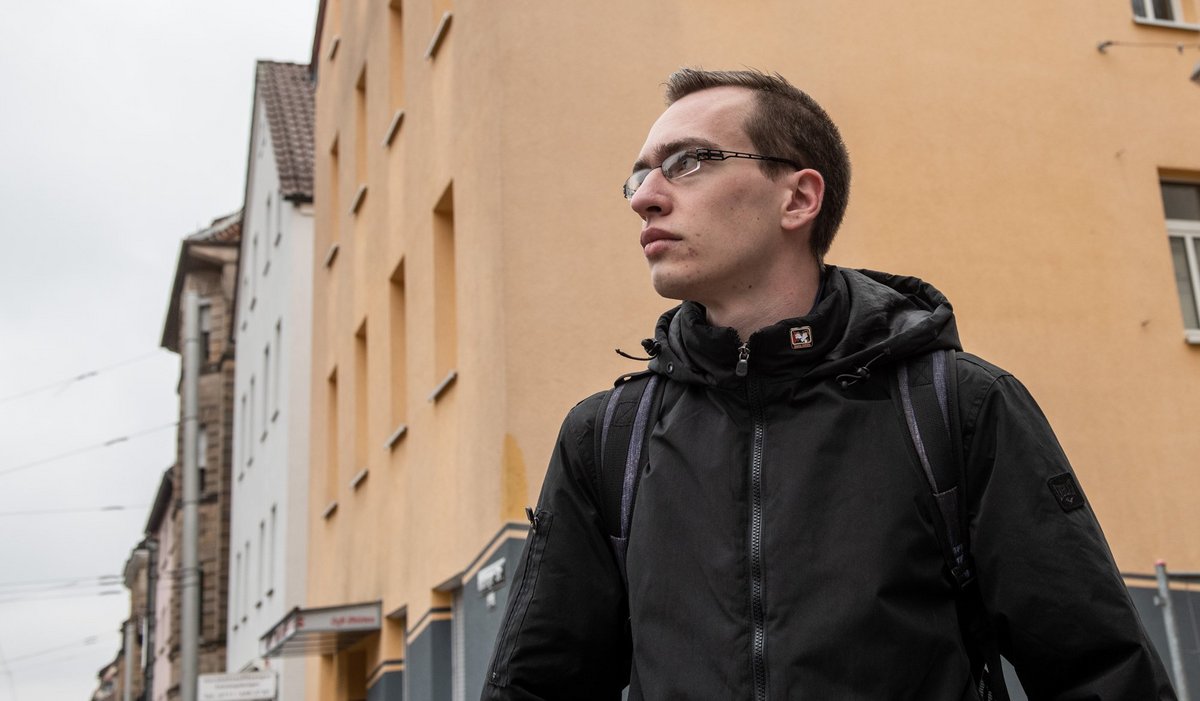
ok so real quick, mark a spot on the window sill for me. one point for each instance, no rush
(274, 416)
(1192, 336)
(270, 592)
(358, 199)
(1185, 26)
(393, 439)
(442, 386)
(331, 254)
(329, 510)
(357, 480)
(263, 437)
(439, 35)
(393, 128)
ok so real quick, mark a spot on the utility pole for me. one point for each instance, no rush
(189, 628)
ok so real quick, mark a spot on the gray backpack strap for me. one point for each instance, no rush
(928, 392)
(624, 421)
(928, 389)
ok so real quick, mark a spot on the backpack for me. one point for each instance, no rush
(925, 391)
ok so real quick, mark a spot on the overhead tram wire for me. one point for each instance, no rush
(63, 384)
(80, 510)
(86, 449)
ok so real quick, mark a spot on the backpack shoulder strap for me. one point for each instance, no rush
(928, 391)
(623, 424)
(927, 387)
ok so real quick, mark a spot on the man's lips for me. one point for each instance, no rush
(652, 235)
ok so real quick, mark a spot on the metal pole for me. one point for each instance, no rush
(189, 628)
(127, 682)
(1164, 600)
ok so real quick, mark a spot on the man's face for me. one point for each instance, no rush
(711, 235)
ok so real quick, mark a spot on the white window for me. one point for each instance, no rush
(266, 404)
(262, 537)
(1174, 13)
(237, 590)
(250, 426)
(279, 221)
(278, 363)
(1181, 204)
(267, 246)
(245, 584)
(271, 559)
(244, 438)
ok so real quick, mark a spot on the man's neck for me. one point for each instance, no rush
(755, 308)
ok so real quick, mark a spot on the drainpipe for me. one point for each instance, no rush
(189, 624)
(1164, 600)
(127, 675)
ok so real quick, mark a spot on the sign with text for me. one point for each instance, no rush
(246, 686)
(335, 620)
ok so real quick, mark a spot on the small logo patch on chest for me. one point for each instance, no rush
(801, 337)
(1066, 491)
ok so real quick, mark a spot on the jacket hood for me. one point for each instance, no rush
(862, 321)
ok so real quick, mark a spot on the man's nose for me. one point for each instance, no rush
(652, 196)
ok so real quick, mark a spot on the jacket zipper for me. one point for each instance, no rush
(539, 524)
(758, 651)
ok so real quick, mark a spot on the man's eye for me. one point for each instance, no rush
(680, 164)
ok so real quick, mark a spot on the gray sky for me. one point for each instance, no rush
(123, 127)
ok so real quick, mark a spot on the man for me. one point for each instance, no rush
(784, 542)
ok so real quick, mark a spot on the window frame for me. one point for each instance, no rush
(1189, 231)
(1150, 17)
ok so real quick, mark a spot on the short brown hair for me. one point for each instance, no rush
(786, 123)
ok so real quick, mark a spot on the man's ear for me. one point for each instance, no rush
(806, 190)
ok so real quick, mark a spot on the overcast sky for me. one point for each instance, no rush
(123, 128)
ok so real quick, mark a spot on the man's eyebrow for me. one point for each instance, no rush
(663, 150)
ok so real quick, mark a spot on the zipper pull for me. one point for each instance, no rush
(533, 519)
(743, 363)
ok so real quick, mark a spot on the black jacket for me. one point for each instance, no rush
(783, 543)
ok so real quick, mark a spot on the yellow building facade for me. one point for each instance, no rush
(475, 264)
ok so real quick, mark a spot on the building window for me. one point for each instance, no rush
(445, 305)
(1177, 13)
(1181, 204)
(250, 424)
(266, 404)
(201, 455)
(267, 245)
(259, 588)
(271, 559)
(279, 220)
(246, 584)
(244, 438)
(278, 362)
(205, 330)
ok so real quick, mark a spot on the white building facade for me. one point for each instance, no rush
(273, 331)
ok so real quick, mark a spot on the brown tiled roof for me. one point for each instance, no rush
(287, 94)
(226, 229)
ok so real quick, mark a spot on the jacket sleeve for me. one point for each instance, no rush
(565, 631)
(1058, 606)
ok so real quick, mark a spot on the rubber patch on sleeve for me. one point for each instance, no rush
(1066, 491)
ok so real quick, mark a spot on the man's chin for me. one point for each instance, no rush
(668, 287)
